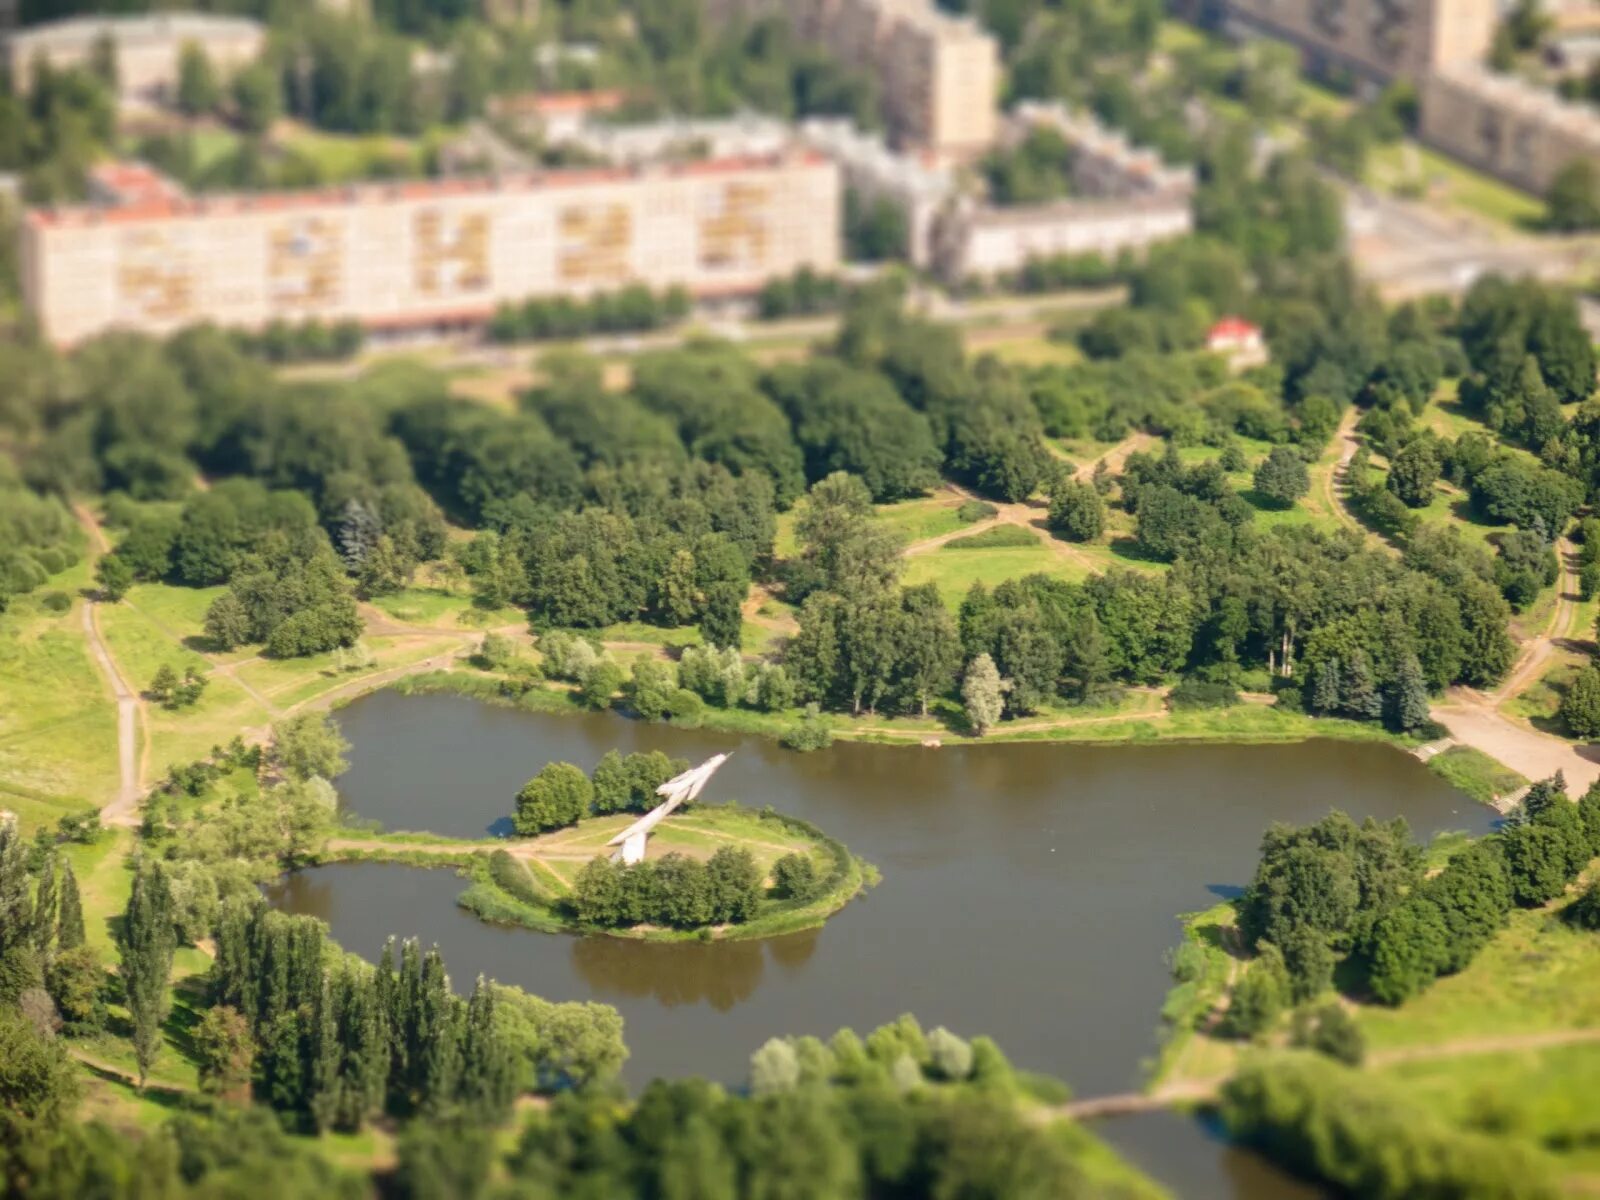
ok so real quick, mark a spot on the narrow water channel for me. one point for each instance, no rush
(1029, 891)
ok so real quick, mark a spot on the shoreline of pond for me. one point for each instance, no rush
(505, 889)
(1256, 724)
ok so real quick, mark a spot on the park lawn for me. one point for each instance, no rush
(104, 885)
(58, 721)
(954, 571)
(917, 520)
(341, 158)
(442, 608)
(646, 634)
(1538, 975)
(142, 647)
(1031, 351)
(289, 682)
(1541, 1096)
(1405, 165)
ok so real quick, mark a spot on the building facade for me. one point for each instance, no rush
(939, 74)
(980, 243)
(148, 48)
(1376, 40)
(433, 254)
(1499, 124)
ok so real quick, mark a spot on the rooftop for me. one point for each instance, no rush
(148, 205)
(85, 31)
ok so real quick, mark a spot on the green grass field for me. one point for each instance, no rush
(1538, 975)
(1409, 168)
(58, 723)
(954, 571)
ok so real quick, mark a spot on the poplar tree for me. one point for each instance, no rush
(147, 944)
(44, 910)
(488, 1081)
(69, 913)
(437, 1036)
(17, 970)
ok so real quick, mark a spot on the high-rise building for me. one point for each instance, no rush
(939, 74)
(1375, 40)
(148, 49)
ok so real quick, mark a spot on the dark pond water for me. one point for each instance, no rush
(1029, 891)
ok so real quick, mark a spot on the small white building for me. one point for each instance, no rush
(148, 49)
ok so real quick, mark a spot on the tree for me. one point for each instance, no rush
(1580, 707)
(1332, 1031)
(225, 1051)
(794, 877)
(45, 910)
(161, 687)
(69, 919)
(74, 981)
(735, 885)
(18, 965)
(1414, 471)
(1282, 477)
(147, 944)
(983, 694)
(1572, 205)
(226, 622)
(560, 794)
(1076, 511)
(1260, 997)
(198, 91)
(309, 745)
(1408, 695)
(114, 576)
(257, 98)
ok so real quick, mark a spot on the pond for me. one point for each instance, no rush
(1029, 891)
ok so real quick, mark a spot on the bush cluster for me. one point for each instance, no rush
(673, 890)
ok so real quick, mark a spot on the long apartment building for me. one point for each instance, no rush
(1505, 126)
(1375, 40)
(148, 49)
(939, 74)
(430, 254)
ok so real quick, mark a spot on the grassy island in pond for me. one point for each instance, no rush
(719, 871)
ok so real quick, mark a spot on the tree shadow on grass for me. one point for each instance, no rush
(1131, 549)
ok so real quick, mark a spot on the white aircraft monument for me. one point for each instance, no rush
(680, 789)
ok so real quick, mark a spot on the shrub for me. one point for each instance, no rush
(56, 602)
(809, 733)
(1198, 693)
(973, 511)
(998, 537)
(1584, 912)
(1332, 1031)
(794, 877)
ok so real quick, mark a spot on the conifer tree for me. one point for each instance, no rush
(1408, 698)
(69, 918)
(44, 910)
(1325, 691)
(147, 944)
(1360, 691)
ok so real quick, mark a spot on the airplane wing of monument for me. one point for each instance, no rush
(680, 789)
(692, 782)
